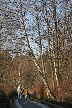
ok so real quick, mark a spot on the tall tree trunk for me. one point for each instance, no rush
(40, 43)
(50, 55)
(55, 53)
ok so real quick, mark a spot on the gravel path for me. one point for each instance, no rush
(24, 103)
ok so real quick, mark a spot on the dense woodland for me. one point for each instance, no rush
(36, 48)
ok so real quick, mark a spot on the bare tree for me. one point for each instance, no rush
(49, 93)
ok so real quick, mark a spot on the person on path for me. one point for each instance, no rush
(19, 91)
(25, 93)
